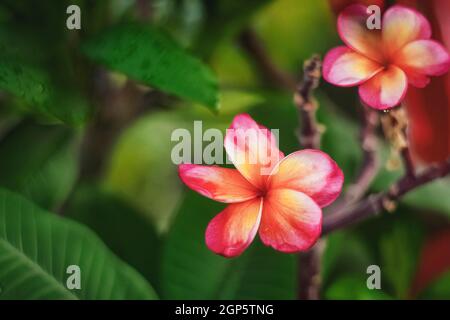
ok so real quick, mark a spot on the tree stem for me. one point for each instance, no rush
(309, 280)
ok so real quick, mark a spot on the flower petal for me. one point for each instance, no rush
(311, 172)
(231, 231)
(344, 67)
(252, 148)
(426, 57)
(220, 184)
(402, 25)
(385, 90)
(352, 28)
(291, 221)
(416, 79)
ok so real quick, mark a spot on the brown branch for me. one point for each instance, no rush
(309, 272)
(310, 132)
(374, 204)
(309, 137)
(251, 43)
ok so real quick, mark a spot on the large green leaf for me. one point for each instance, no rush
(36, 248)
(150, 56)
(124, 230)
(44, 171)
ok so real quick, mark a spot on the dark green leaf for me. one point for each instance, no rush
(36, 248)
(124, 230)
(148, 55)
(189, 270)
(400, 246)
(345, 254)
(354, 288)
(261, 273)
(33, 86)
(39, 162)
(439, 289)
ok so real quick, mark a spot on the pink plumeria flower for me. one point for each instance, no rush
(383, 62)
(285, 205)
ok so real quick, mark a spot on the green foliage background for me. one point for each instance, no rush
(134, 230)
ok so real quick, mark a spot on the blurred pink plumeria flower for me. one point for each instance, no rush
(383, 62)
(285, 205)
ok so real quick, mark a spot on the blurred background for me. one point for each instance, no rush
(86, 118)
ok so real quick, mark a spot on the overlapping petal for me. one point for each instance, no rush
(252, 148)
(352, 28)
(220, 184)
(344, 67)
(425, 57)
(385, 90)
(291, 221)
(311, 172)
(402, 25)
(231, 231)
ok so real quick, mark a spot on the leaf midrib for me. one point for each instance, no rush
(36, 267)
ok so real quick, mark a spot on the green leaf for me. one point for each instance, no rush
(400, 246)
(124, 230)
(345, 254)
(34, 86)
(354, 288)
(188, 269)
(148, 55)
(261, 273)
(396, 241)
(438, 289)
(285, 28)
(36, 69)
(44, 171)
(36, 248)
(433, 196)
